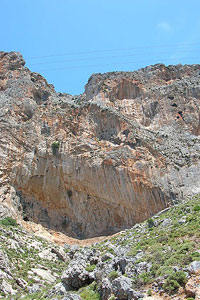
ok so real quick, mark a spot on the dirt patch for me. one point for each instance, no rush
(60, 238)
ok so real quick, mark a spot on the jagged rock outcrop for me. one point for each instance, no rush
(99, 162)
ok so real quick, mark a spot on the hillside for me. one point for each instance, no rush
(156, 259)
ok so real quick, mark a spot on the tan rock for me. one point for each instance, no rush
(192, 287)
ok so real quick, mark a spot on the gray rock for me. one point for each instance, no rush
(34, 288)
(47, 254)
(106, 288)
(21, 282)
(166, 223)
(182, 220)
(194, 267)
(4, 211)
(6, 288)
(69, 297)
(107, 256)
(122, 288)
(143, 267)
(4, 263)
(4, 275)
(73, 250)
(60, 253)
(12, 244)
(75, 276)
(120, 263)
(29, 108)
(58, 289)
(44, 274)
(94, 260)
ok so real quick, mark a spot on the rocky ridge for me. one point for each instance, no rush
(102, 161)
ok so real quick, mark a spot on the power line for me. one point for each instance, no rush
(111, 50)
(102, 65)
(105, 57)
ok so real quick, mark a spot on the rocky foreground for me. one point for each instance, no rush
(156, 259)
(100, 162)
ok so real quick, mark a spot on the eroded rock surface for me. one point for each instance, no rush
(102, 161)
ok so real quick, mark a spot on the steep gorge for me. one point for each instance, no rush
(102, 161)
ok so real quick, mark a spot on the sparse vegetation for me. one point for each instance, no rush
(165, 251)
(113, 275)
(90, 293)
(174, 280)
(90, 268)
(8, 221)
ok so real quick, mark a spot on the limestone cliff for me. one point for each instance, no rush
(99, 162)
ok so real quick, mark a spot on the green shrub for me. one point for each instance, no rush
(171, 285)
(149, 293)
(113, 275)
(174, 281)
(90, 268)
(196, 208)
(8, 221)
(89, 293)
(55, 146)
(195, 255)
(150, 223)
(143, 278)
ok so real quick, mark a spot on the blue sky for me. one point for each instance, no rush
(68, 40)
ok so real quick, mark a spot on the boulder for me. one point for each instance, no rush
(4, 263)
(76, 276)
(194, 267)
(123, 289)
(44, 274)
(192, 287)
(106, 288)
(6, 288)
(61, 254)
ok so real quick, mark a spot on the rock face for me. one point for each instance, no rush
(99, 162)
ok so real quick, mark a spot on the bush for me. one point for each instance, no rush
(150, 223)
(8, 221)
(195, 255)
(196, 208)
(143, 278)
(171, 285)
(113, 275)
(90, 268)
(55, 146)
(174, 281)
(149, 293)
(90, 293)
